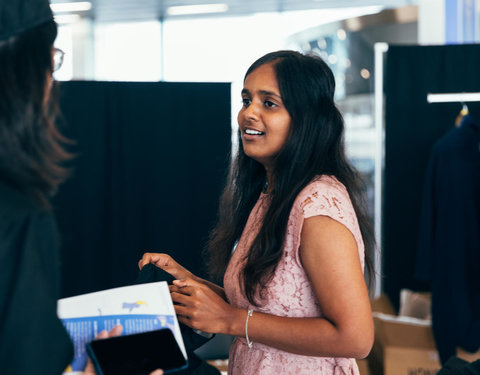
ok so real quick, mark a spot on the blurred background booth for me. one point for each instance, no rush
(149, 94)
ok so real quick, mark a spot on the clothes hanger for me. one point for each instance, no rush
(463, 112)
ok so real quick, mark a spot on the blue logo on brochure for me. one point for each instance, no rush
(132, 305)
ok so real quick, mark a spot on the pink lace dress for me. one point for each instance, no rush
(289, 292)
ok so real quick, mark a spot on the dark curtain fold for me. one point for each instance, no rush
(150, 161)
(412, 126)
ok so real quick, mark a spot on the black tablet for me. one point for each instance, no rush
(137, 354)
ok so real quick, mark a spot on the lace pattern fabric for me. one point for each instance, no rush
(289, 292)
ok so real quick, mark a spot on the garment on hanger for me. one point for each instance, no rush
(449, 238)
(461, 115)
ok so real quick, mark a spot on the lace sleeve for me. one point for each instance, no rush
(327, 196)
(327, 203)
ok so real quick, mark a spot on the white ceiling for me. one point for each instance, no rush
(138, 10)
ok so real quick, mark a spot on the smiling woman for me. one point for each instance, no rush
(264, 121)
(294, 292)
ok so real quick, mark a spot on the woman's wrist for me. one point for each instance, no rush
(236, 322)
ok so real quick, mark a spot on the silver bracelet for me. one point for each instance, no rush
(249, 314)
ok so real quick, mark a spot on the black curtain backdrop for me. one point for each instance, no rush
(149, 167)
(412, 127)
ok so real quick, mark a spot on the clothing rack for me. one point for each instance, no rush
(460, 97)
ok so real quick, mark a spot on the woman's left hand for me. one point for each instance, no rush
(200, 308)
(115, 331)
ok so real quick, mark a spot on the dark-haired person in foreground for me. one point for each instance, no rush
(32, 338)
(292, 237)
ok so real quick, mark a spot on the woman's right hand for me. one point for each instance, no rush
(166, 263)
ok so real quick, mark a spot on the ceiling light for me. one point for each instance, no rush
(332, 59)
(71, 7)
(365, 73)
(197, 9)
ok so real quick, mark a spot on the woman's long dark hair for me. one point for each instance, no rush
(30, 150)
(315, 147)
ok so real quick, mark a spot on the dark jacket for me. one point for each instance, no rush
(32, 338)
(449, 239)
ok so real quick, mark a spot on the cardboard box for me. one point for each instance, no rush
(415, 304)
(363, 367)
(383, 305)
(467, 356)
(406, 346)
(219, 364)
(403, 345)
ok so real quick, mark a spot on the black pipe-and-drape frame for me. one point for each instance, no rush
(149, 164)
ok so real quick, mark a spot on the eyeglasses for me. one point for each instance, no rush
(58, 56)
